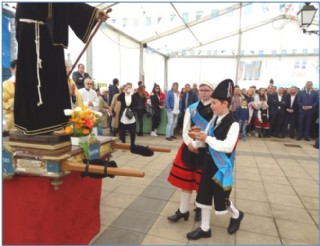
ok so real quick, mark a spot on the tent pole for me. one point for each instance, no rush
(141, 70)
(165, 85)
(239, 45)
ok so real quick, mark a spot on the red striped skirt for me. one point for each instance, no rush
(182, 176)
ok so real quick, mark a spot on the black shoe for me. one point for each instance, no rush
(235, 223)
(178, 215)
(198, 233)
(307, 139)
(173, 137)
(169, 139)
(197, 216)
(299, 138)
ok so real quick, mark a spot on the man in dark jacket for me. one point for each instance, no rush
(292, 111)
(188, 98)
(79, 76)
(113, 89)
(277, 109)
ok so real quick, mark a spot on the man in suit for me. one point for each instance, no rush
(308, 101)
(188, 98)
(277, 109)
(292, 111)
(79, 76)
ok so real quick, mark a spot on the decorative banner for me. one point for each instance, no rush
(305, 51)
(273, 52)
(214, 13)
(284, 52)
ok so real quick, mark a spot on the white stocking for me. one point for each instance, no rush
(205, 218)
(185, 201)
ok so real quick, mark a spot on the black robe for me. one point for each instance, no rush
(30, 118)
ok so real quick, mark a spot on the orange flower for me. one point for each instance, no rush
(85, 131)
(82, 120)
(68, 130)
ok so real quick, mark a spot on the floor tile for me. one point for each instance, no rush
(286, 200)
(291, 214)
(301, 232)
(149, 205)
(247, 238)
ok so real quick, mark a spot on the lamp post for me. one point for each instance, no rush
(306, 16)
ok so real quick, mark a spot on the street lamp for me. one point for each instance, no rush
(307, 14)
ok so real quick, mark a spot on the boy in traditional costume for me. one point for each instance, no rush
(221, 137)
(187, 166)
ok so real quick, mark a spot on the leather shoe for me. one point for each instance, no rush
(198, 233)
(197, 216)
(178, 215)
(307, 139)
(169, 139)
(235, 223)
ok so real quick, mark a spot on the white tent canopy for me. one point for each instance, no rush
(189, 42)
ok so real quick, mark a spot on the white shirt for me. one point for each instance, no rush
(89, 95)
(176, 103)
(226, 145)
(124, 119)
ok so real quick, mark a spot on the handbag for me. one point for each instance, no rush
(150, 111)
(129, 113)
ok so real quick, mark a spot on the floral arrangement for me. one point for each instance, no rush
(82, 121)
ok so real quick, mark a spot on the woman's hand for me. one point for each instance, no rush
(201, 136)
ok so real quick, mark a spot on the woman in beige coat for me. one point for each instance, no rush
(115, 109)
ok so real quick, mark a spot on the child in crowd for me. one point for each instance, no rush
(262, 121)
(242, 115)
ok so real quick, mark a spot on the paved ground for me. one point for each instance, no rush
(277, 186)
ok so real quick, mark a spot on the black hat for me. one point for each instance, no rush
(224, 90)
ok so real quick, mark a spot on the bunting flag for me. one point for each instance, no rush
(159, 19)
(261, 53)
(199, 14)
(148, 21)
(185, 17)
(305, 51)
(294, 51)
(264, 7)
(124, 22)
(214, 13)
(273, 52)
(284, 52)
(113, 21)
(103, 25)
(209, 52)
(247, 10)
(230, 11)
(172, 16)
(135, 21)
